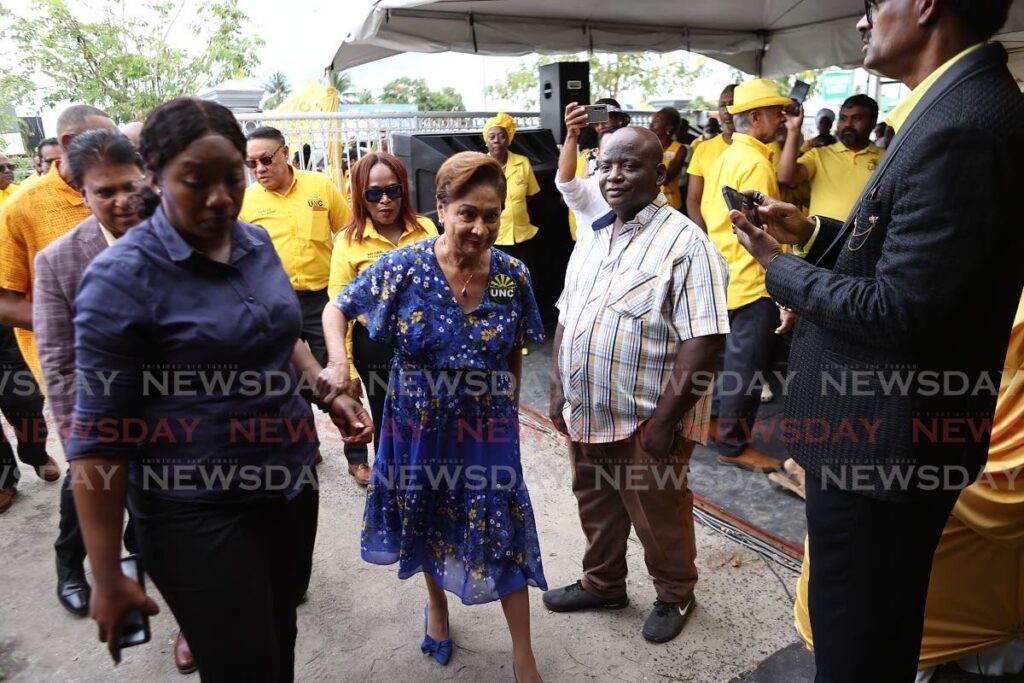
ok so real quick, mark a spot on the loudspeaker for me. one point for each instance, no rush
(560, 84)
(423, 153)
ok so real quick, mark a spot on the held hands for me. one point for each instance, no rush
(575, 119)
(351, 419)
(111, 602)
(334, 380)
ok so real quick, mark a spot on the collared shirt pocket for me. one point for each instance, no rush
(317, 225)
(632, 294)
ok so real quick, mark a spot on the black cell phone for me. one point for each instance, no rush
(737, 201)
(799, 92)
(135, 627)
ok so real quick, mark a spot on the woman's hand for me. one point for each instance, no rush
(351, 419)
(111, 601)
(333, 381)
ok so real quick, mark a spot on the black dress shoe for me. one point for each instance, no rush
(666, 620)
(575, 597)
(73, 593)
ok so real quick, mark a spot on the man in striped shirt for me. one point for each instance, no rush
(642, 320)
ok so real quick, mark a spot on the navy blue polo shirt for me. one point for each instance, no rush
(183, 367)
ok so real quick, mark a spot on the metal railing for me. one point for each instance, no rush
(324, 141)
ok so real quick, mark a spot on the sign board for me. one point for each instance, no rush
(836, 85)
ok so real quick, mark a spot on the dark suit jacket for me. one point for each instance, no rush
(59, 269)
(924, 277)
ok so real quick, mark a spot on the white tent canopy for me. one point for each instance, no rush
(770, 37)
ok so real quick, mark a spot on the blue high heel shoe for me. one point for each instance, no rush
(440, 650)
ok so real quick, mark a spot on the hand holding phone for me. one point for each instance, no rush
(798, 94)
(737, 201)
(135, 625)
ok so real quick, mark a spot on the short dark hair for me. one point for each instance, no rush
(673, 116)
(983, 18)
(48, 142)
(177, 123)
(729, 88)
(267, 133)
(862, 101)
(97, 147)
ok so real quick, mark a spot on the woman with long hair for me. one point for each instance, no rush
(383, 219)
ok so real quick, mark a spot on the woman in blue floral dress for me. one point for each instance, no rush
(447, 496)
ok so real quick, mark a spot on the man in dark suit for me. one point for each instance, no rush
(910, 303)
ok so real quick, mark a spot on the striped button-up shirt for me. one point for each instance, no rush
(625, 310)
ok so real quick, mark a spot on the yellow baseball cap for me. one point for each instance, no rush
(757, 93)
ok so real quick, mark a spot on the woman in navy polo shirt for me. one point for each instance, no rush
(188, 329)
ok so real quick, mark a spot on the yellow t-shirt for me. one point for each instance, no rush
(33, 218)
(7, 192)
(302, 223)
(838, 176)
(705, 155)
(581, 169)
(901, 112)
(515, 219)
(351, 258)
(745, 165)
(671, 187)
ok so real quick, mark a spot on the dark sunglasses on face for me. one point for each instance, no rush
(374, 194)
(6, 167)
(264, 160)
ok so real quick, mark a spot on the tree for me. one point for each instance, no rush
(122, 61)
(407, 90)
(277, 90)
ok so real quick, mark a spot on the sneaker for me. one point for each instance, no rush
(576, 597)
(666, 620)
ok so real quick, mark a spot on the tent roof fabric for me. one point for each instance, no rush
(768, 37)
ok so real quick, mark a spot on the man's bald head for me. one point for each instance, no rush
(133, 132)
(79, 118)
(631, 170)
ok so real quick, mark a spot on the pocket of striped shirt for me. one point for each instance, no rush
(633, 294)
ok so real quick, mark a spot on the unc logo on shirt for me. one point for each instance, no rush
(502, 289)
(315, 203)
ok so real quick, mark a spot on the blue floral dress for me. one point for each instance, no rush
(447, 494)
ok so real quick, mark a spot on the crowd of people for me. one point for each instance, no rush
(145, 285)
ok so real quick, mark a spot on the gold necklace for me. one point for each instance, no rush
(465, 285)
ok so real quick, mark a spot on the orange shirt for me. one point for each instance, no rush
(33, 218)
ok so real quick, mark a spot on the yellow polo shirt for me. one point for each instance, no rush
(7, 192)
(671, 187)
(706, 154)
(351, 258)
(581, 168)
(897, 117)
(302, 222)
(746, 164)
(838, 175)
(515, 219)
(33, 218)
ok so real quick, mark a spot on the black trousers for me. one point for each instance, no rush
(870, 565)
(372, 360)
(70, 546)
(233, 575)
(749, 349)
(312, 304)
(22, 405)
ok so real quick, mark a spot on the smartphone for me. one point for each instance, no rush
(135, 627)
(799, 92)
(737, 201)
(596, 113)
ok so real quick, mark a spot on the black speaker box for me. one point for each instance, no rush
(423, 154)
(560, 84)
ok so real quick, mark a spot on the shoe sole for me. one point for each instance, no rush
(686, 618)
(187, 670)
(732, 462)
(605, 606)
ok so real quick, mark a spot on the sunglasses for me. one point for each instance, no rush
(7, 167)
(869, 9)
(374, 194)
(264, 160)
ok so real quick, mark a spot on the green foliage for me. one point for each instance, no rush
(278, 89)
(812, 77)
(122, 61)
(407, 90)
(610, 75)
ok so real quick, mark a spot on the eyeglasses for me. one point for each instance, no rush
(264, 160)
(374, 194)
(10, 167)
(869, 9)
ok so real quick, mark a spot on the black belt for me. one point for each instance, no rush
(310, 292)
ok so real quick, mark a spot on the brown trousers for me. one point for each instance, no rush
(620, 484)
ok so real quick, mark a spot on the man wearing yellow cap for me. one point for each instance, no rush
(746, 163)
(516, 230)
